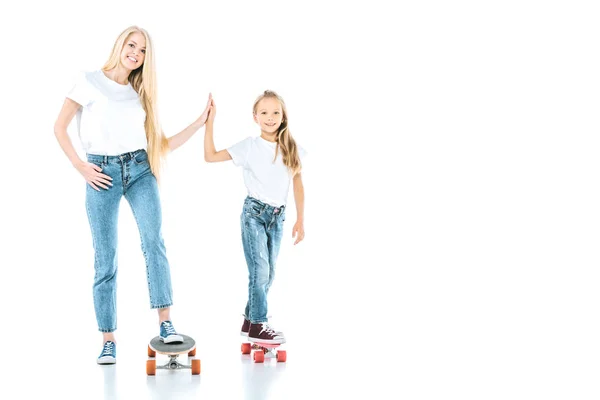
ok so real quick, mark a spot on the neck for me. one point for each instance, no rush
(119, 74)
(270, 137)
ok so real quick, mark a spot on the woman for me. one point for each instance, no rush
(121, 135)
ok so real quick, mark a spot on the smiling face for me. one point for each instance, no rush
(268, 115)
(134, 51)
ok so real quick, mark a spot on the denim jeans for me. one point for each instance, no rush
(133, 179)
(262, 229)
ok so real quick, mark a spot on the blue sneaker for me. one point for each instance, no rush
(109, 353)
(168, 334)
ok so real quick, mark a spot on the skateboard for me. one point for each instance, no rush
(264, 350)
(173, 350)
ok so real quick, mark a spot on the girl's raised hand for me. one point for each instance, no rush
(202, 119)
(212, 111)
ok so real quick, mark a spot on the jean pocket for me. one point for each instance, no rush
(96, 162)
(140, 158)
(253, 210)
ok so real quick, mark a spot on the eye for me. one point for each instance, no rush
(277, 112)
(144, 51)
(263, 112)
(130, 44)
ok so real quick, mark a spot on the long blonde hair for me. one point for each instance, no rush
(143, 81)
(283, 137)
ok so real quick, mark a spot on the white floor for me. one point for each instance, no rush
(226, 373)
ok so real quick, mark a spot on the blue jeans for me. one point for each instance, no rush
(262, 229)
(133, 179)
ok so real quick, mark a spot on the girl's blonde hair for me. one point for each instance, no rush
(143, 81)
(284, 139)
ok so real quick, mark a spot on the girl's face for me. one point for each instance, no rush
(134, 51)
(269, 114)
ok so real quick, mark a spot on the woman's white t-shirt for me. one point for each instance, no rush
(111, 119)
(265, 180)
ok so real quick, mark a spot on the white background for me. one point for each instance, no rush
(452, 202)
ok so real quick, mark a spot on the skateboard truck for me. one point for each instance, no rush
(264, 350)
(173, 364)
(173, 351)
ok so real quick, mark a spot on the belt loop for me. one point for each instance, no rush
(105, 159)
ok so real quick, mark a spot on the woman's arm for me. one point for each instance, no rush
(179, 139)
(90, 172)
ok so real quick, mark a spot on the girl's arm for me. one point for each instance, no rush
(299, 200)
(210, 153)
(179, 139)
(90, 172)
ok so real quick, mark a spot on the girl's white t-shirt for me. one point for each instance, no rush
(111, 119)
(265, 180)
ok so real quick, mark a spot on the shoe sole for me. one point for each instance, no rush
(107, 360)
(266, 341)
(175, 339)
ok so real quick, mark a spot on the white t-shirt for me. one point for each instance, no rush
(111, 119)
(265, 180)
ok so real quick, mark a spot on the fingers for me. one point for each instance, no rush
(94, 186)
(101, 179)
(95, 167)
(105, 177)
(298, 234)
(98, 183)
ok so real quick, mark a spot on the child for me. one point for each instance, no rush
(119, 130)
(270, 162)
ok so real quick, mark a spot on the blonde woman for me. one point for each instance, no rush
(270, 163)
(120, 132)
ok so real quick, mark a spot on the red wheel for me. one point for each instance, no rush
(192, 352)
(281, 355)
(246, 348)
(151, 353)
(151, 367)
(196, 367)
(259, 356)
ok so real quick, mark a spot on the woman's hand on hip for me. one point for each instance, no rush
(93, 175)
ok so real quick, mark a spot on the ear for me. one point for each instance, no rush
(255, 119)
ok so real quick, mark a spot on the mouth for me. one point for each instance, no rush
(130, 58)
(270, 124)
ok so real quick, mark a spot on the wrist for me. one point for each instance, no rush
(77, 162)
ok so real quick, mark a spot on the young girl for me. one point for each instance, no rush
(120, 132)
(270, 162)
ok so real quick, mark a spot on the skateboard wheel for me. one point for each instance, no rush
(195, 366)
(281, 356)
(151, 367)
(246, 348)
(259, 356)
(192, 352)
(151, 353)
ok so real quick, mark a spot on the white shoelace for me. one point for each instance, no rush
(108, 348)
(268, 329)
(169, 328)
